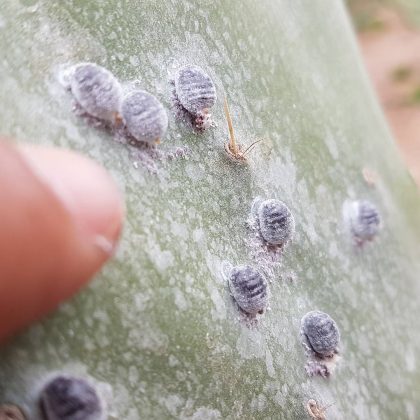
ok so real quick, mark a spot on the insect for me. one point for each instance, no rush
(275, 220)
(234, 149)
(320, 338)
(364, 220)
(320, 334)
(248, 288)
(315, 411)
(144, 116)
(11, 412)
(97, 91)
(70, 398)
(196, 93)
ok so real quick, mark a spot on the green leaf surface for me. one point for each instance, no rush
(157, 328)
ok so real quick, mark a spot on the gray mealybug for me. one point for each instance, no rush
(70, 398)
(320, 338)
(144, 116)
(97, 91)
(364, 220)
(196, 93)
(275, 220)
(248, 288)
(321, 333)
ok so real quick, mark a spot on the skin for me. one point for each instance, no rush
(53, 236)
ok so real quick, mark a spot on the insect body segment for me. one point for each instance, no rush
(365, 220)
(249, 289)
(196, 93)
(70, 398)
(275, 220)
(320, 338)
(144, 116)
(97, 91)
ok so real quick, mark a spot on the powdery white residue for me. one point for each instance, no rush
(308, 219)
(180, 230)
(101, 316)
(410, 360)
(218, 312)
(180, 301)
(134, 60)
(102, 339)
(282, 170)
(282, 395)
(172, 361)
(106, 394)
(124, 398)
(269, 363)
(172, 403)
(268, 258)
(162, 259)
(205, 413)
(133, 376)
(250, 344)
(63, 73)
(196, 172)
(199, 237)
(213, 264)
(141, 300)
(147, 156)
(147, 337)
(411, 410)
(258, 403)
(331, 143)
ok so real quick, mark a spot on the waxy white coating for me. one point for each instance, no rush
(249, 289)
(195, 89)
(320, 333)
(96, 90)
(144, 116)
(364, 219)
(275, 220)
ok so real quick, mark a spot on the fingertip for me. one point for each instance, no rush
(85, 188)
(62, 221)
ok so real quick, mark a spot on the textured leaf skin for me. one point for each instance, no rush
(158, 324)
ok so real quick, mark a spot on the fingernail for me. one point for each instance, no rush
(85, 189)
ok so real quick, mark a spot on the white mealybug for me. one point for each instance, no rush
(363, 220)
(144, 116)
(70, 398)
(321, 333)
(275, 221)
(320, 338)
(366, 221)
(248, 288)
(97, 91)
(196, 93)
